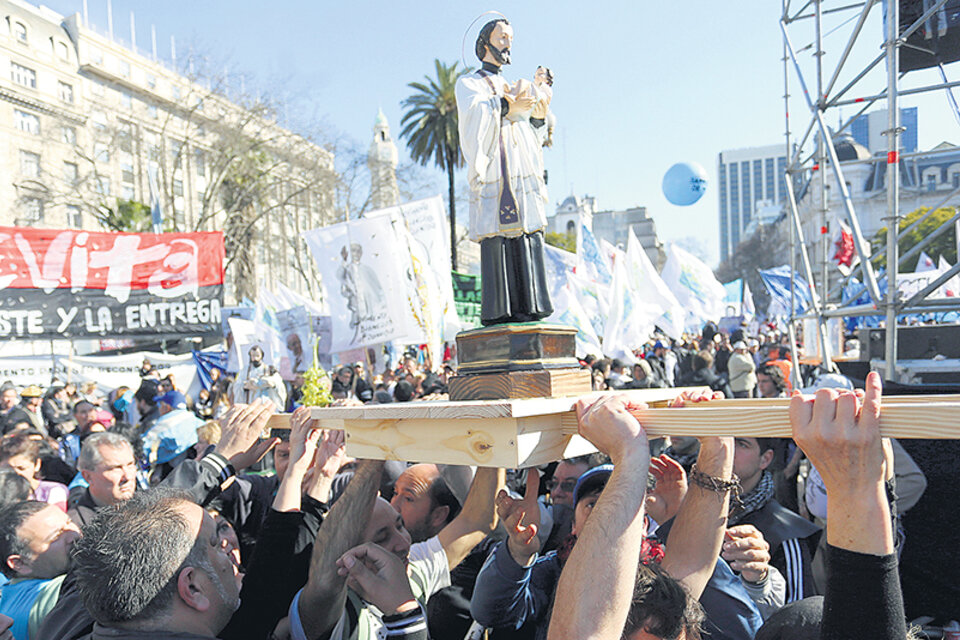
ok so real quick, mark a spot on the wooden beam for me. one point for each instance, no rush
(527, 432)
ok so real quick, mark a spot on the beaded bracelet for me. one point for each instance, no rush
(718, 485)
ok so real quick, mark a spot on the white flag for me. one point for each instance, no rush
(651, 290)
(951, 288)
(749, 310)
(925, 263)
(693, 282)
(630, 322)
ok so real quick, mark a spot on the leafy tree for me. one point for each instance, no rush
(565, 241)
(944, 245)
(430, 128)
(126, 215)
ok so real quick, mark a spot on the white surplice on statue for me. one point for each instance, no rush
(364, 269)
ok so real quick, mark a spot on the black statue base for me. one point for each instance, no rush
(513, 280)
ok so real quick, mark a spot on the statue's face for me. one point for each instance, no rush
(541, 76)
(502, 39)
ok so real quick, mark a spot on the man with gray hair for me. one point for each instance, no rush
(107, 463)
(156, 566)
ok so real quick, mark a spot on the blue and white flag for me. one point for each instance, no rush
(695, 286)
(777, 281)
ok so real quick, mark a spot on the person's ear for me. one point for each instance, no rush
(190, 587)
(766, 459)
(17, 563)
(36, 468)
(438, 516)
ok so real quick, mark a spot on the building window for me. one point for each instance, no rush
(97, 89)
(178, 187)
(99, 119)
(152, 111)
(176, 92)
(74, 216)
(66, 91)
(125, 68)
(20, 32)
(70, 172)
(176, 154)
(29, 164)
(63, 52)
(200, 160)
(96, 56)
(955, 180)
(101, 152)
(126, 172)
(151, 81)
(103, 185)
(26, 122)
(127, 192)
(125, 137)
(126, 100)
(23, 75)
(931, 182)
(68, 135)
(33, 209)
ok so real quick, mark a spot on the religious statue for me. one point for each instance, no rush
(507, 191)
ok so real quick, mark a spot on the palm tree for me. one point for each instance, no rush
(430, 128)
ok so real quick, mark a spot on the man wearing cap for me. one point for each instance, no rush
(30, 400)
(742, 371)
(663, 361)
(173, 434)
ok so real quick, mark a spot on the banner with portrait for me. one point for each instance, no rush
(367, 272)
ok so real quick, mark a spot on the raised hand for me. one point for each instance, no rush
(841, 437)
(747, 552)
(379, 577)
(663, 502)
(241, 428)
(607, 423)
(303, 440)
(330, 456)
(521, 519)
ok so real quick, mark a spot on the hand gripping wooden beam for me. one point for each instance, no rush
(528, 432)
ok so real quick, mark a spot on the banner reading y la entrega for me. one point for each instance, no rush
(69, 283)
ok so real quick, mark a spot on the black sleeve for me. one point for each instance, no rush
(863, 598)
(504, 107)
(268, 588)
(200, 478)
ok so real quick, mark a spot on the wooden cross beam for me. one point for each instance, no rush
(529, 432)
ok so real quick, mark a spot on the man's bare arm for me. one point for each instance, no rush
(324, 596)
(608, 549)
(697, 533)
(477, 519)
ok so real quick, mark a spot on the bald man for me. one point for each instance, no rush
(425, 501)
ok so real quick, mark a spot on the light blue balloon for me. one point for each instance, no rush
(684, 183)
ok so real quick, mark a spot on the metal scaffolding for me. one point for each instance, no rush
(802, 161)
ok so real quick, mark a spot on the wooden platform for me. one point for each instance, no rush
(520, 433)
(549, 383)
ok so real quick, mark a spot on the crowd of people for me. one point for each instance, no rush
(143, 513)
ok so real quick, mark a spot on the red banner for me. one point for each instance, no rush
(72, 283)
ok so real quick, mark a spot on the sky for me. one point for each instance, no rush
(638, 85)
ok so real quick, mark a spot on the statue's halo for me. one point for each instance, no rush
(463, 43)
